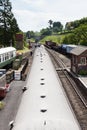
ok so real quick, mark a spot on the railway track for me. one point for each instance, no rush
(76, 95)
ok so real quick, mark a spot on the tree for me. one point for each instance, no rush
(50, 23)
(45, 32)
(69, 26)
(4, 17)
(13, 29)
(57, 26)
(81, 34)
(75, 24)
(8, 23)
(30, 34)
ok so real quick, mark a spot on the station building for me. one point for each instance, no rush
(79, 60)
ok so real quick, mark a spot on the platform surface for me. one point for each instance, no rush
(83, 80)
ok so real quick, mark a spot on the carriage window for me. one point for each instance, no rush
(3, 57)
(0, 58)
(6, 56)
(11, 54)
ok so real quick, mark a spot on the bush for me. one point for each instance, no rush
(83, 72)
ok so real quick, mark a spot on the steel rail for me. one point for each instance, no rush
(63, 67)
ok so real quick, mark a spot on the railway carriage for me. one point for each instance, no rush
(44, 105)
(7, 55)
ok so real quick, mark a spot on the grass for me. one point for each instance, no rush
(23, 51)
(54, 38)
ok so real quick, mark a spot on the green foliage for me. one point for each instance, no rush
(32, 40)
(54, 27)
(45, 32)
(81, 34)
(57, 27)
(78, 36)
(8, 24)
(75, 24)
(69, 39)
(50, 23)
(83, 72)
(54, 38)
(30, 34)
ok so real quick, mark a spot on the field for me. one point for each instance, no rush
(23, 51)
(54, 38)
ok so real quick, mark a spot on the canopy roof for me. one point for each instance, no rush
(78, 50)
(7, 49)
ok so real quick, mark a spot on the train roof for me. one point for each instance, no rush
(71, 45)
(64, 46)
(7, 49)
(44, 104)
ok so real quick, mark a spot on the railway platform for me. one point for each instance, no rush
(83, 80)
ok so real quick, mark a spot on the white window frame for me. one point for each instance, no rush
(83, 61)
